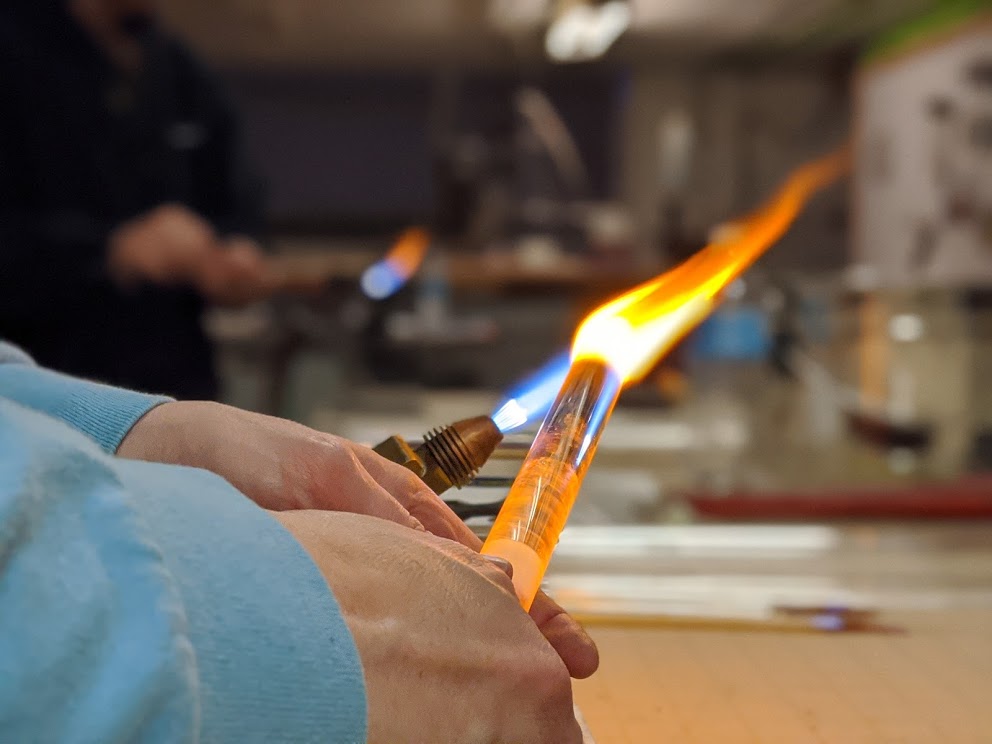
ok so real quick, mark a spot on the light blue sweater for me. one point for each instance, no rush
(146, 602)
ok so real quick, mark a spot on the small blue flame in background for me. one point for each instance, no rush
(530, 400)
(382, 279)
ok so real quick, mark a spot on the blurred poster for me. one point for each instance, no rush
(923, 179)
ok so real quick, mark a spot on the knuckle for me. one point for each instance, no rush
(413, 492)
(351, 459)
(334, 454)
(409, 481)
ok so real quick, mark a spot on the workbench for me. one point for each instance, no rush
(930, 685)
(492, 272)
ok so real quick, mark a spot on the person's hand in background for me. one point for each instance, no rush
(282, 465)
(172, 245)
(235, 273)
(447, 652)
(165, 246)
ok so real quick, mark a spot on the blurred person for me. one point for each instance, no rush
(146, 600)
(125, 199)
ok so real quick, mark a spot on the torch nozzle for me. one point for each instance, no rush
(449, 455)
(453, 454)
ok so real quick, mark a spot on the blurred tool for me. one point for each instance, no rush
(775, 620)
(547, 124)
(883, 426)
(886, 433)
(450, 455)
(617, 344)
(676, 146)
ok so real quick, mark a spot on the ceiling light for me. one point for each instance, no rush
(585, 32)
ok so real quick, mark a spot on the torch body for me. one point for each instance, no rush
(535, 511)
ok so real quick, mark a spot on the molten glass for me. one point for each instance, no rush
(386, 277)
(615, 345)
(527, 528)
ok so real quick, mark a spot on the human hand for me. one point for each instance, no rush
(447, 652)
(282, 465)
(165, 246)
(235, 274)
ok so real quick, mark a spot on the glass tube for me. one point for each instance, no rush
(528, 526)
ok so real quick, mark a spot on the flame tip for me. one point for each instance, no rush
(633, 331)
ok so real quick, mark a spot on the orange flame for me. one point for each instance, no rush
(409, 251)
(398, 266)
(633, 331)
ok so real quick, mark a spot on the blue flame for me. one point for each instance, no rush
(382, 279)
(530, 399)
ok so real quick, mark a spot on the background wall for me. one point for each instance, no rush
(751, 127)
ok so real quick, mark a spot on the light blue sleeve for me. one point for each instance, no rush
(104, 413)
(152, 603)
(93, 639)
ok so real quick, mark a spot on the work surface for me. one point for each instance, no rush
(931, 685)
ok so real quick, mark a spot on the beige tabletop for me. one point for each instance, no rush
(931, 685)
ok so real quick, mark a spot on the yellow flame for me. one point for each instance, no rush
(633, 331)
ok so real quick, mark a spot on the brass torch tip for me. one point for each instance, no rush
(453, 454)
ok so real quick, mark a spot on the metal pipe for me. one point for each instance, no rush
(528, 526)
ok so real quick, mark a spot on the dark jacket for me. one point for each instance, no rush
(84, 148)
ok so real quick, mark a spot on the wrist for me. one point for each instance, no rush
(161, 435)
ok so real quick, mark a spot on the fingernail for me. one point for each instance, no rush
(415, 523)
(501, 563)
